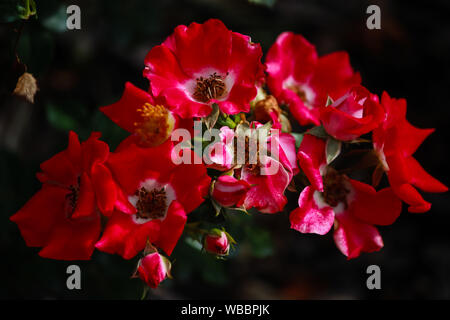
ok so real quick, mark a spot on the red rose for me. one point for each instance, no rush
(202, 64)
(299, 78)
(269, 175)
(395, 141)
(161, 194)
(353, 207)
(63, 217)
(149, 121)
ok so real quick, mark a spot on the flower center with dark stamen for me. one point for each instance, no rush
(335, 190)
(155, 126)
(151, 204)
(209, 88)
(72, 197)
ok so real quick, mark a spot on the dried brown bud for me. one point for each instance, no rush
(26, 87)
(265, 107)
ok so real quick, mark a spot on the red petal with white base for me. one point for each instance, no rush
(311, 157)
(200, 50)
(267, 191)
(311, 217)
(228, 191)
(292, 65)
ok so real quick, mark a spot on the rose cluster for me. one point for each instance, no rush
(137, 200)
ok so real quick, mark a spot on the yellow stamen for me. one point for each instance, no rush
(156, 125)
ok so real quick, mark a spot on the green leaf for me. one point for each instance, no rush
(333, 149)
(26, 9)
(60, 120)
(318, 132)
(211, 119)
(298, 138)
(329, 102)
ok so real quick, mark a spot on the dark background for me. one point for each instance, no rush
(79, 71)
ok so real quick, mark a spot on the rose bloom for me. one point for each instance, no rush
(202, 64)
(268, 175)
(64, 216)
(299, 78)
(354, 114)
(351, 206)
(160, 194)
(147, 118)
(395, 142)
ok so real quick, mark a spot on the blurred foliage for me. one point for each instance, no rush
(12, 10)
(268, 3)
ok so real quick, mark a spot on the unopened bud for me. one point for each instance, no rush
(153, 269)
(217, 242)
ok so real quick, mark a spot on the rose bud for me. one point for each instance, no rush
(153, 269)
(217, 242)
(354, 114)
(228, 191)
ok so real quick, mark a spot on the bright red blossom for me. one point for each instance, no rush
(147, 119)
(299, 78)
(353, 207)
(161, 194)
(64, 216)
(202, 64)
(395, 141)
(268, 174)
